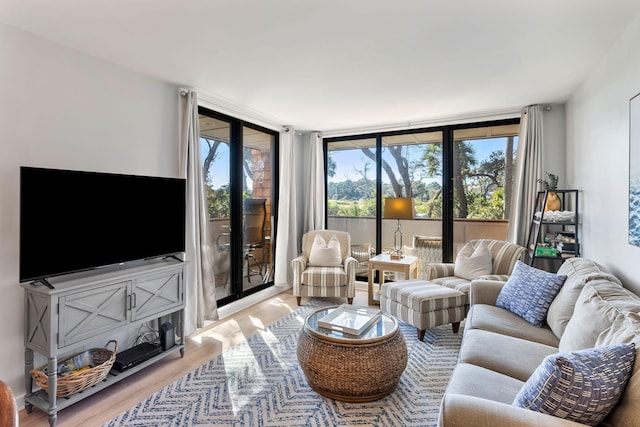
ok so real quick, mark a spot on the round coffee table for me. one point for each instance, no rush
(352, 368)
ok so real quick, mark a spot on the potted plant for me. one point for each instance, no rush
(550, 184)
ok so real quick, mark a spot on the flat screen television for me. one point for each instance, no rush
(74, 221)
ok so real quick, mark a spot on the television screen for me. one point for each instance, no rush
(72, 220)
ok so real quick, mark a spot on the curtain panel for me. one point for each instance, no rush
(287, 235)
(199, 282)
(315, 203)
(528, 171)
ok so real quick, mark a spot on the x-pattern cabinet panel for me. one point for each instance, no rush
(154, 295)
(86, 314)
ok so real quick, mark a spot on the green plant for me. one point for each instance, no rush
(551, 183)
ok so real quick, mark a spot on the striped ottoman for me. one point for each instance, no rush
(423, 304)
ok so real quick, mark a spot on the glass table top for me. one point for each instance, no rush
(384, 326)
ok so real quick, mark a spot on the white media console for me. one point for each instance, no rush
(85, 307)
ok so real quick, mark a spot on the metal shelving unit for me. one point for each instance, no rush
(553, 235)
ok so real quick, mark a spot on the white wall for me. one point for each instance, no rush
(598, 156)
(63, 109)
(553, 150)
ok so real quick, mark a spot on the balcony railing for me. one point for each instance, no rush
(464, 230)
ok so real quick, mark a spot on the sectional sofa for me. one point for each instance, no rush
(500, 350)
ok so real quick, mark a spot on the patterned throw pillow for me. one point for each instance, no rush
(582, 386)
(529, 292)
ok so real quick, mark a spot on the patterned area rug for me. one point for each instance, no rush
(259, 383)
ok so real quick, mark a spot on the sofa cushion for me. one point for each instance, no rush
(562, 307)
(580, 267)
(495, 319)
(578, 271)
(529, 292)
(600, 302)
(515, 357)
(624, 329)
(472, 380)
(583, 386)
(472, 263)
(325, 254)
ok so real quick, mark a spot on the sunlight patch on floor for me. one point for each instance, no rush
(223, 332)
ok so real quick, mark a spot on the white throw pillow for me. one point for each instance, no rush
(471, 264)
(325, 254)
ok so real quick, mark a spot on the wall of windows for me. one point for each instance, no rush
(459, 176)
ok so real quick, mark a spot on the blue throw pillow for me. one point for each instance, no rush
(529, 292)
(582, 386)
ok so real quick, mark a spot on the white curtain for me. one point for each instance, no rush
(287, 237)
(528, 171)
(199, 281)
(315, 204)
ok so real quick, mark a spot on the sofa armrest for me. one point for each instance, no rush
(459, 410)
(436, 270)
(500, 277)
(485, 291)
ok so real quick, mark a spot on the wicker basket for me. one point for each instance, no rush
(75, 382)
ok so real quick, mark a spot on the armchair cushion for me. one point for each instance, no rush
(324, 276)
(472, 263)
(325, 254)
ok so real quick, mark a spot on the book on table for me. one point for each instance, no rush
(352, 320)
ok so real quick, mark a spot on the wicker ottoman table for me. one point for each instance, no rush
(423, 304)
(351, 368)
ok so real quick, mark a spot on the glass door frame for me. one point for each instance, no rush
(236, 148)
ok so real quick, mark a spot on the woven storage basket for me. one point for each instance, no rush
(103, 359)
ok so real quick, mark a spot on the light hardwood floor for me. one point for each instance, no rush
(201, 346)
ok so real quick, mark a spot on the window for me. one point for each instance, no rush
(459, 176)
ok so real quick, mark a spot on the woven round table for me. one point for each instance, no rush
(352, 368)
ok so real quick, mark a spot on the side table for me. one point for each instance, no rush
(383, 262)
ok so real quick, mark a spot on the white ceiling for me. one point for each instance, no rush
(341, 64)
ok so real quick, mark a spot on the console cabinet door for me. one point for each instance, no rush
(156, 295)
(92, 312)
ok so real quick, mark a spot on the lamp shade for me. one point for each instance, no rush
(399, 208)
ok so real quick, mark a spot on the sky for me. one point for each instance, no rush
(346, 161)
(349, 160)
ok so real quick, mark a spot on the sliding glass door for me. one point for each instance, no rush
(238, 167)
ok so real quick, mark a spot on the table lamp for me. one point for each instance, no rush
(398, 208)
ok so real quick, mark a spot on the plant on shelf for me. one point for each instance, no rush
(550, 184)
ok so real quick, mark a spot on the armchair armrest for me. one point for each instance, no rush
(485, 291)
(350, 263)
(350, 267)
(460, 410)
(436, 270)
(298, 265)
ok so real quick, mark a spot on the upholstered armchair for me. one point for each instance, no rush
(503, 258)
(335, 279)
